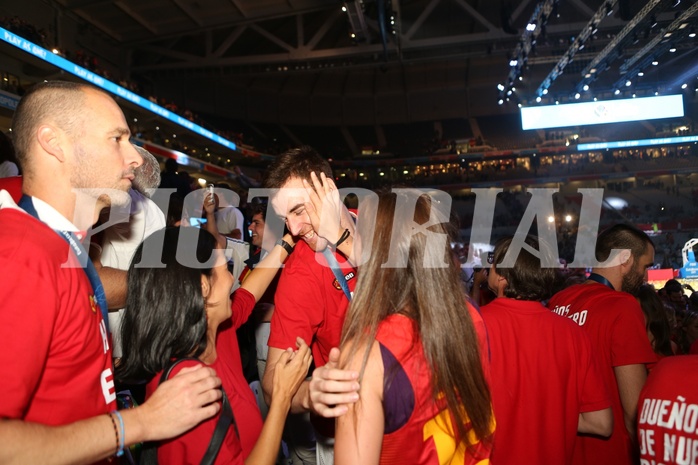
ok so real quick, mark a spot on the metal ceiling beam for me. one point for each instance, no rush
(138, 18)
(187, 11)
(478, 17)
(271, 37)
(229, 41)
(579, 43)
(307, 54)
(326, 26)
(239, 8)
(186, 57)
(228, 25)
(422, 17)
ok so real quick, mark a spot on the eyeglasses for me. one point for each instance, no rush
(490, 257)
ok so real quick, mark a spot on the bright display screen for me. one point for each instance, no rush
(99, 81)
(602, 112)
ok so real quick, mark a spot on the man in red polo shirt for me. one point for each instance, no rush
(604, 307)
(310, 302)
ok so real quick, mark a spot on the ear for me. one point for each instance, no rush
(205, 285)
(49, 139)
(625, 258)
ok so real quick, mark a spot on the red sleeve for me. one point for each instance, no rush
(241, 305)
(28, 312)
(629, 342)
(188, 448)
(592, 391)
(299, 305)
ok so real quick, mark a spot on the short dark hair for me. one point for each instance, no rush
(165, 315)
(299, 163)
(673, 286)
(259, 208)
(527, 280)
(622, 237)
(58, 101)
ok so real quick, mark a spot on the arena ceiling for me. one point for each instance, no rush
(303, 49)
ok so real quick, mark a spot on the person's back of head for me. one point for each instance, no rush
(295, 163)
(673, 287)
(165, 316)
(171, 166)
(622, 237)
(656, 318)
(528, 279)
(147, 176)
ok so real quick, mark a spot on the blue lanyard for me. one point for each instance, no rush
(601, 280)
(82, 256)
(337, 271)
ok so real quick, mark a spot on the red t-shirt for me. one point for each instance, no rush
(540, 362)
(55, 362)
(414, 430)
(616, 327)
(309, 303)
(190, 447)
(667, 412)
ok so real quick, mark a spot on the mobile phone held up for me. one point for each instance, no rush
(197, 222)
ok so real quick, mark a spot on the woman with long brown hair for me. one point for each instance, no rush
(415, 340)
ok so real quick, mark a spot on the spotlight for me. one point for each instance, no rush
(684, 85)
(672, 49)
(634, 95)
(500, 101)
(641, 74)
(530, 27)
(616, 92)
(568, 218)
(500, 87)
(655, 63)
(692, 34)
(545, 91)
(513, 62)
(538, 99)
(653, 21)
(576, 96)
(557, 102)
(628, 83)
(344, 9)
(586, 87)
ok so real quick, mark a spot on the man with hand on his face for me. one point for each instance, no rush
(310, 301)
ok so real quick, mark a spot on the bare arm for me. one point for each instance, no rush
(300, 402)
(359, 434)
(114, 283)
(211, 224)
(630, 379)
(597, 422)
(289, 373)
(259, 278)
(176, 406)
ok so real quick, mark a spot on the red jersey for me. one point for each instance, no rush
(413, 431)
(616, 327)
(309, 303)
(55, 361)
(667, 412)
(190, 447)
(541, 363)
